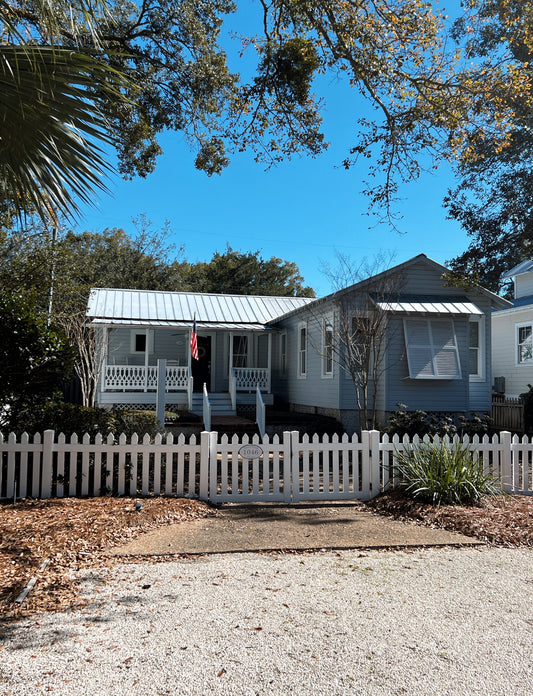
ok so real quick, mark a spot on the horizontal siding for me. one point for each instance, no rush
(313, 390)
(523, 285)
(427, 395)
(504, 363)
(170, 344)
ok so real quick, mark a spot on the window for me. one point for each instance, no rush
(475, 348)
(431, 349)
(302, 350)
(138, 342)
(283, 353)
(524, 338)
(327, 348)
(240, 351)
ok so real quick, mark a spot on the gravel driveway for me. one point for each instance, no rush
(430, 621)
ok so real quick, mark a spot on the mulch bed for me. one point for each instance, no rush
(72, 534)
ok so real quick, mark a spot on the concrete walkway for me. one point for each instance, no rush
(269, 527)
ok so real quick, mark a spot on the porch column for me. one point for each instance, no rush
(269, 364)
(104, 357)
(146, 339)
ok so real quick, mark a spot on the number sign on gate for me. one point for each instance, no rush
(251, 451)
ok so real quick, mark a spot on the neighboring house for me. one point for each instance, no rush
(512, 330)
(437, 346)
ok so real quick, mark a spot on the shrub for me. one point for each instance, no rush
(72, 418)
(439, 474)
(404, 422)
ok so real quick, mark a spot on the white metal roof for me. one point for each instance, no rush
(429, 305)
(523, 267)
(153, 307)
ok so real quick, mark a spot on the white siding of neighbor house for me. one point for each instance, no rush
(504, 350)
(523, 285)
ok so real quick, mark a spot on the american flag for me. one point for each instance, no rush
(194, 340)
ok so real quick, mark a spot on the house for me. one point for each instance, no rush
(512, 330)
(433, 352)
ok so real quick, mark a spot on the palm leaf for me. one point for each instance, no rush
(51, 130)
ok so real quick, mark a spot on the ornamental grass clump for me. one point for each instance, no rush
(444, 475)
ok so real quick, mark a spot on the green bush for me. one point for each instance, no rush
(448, 475)
(404, 422)
(72, 418)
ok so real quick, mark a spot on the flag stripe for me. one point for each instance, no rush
(194, 341)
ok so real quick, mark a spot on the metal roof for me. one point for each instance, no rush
(523, 267)
(185, 325)
(153, 307)
(428, 304)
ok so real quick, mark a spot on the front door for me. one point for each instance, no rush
(201, 368)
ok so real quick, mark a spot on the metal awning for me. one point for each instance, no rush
(428, 304)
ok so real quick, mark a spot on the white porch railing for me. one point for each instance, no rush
(142, 378)
(249, 378)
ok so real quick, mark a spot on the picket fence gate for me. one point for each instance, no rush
(290, 468)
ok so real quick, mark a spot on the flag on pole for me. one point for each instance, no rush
(194, 340)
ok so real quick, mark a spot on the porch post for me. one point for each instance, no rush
(104, 358)
(269, 361)
(147, 338)
(161, 388)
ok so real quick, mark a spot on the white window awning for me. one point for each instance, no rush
(428, 304)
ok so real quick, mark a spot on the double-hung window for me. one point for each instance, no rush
(476, 357)
(302, 350)
(431, 347)
(283, 353)
(524, 343)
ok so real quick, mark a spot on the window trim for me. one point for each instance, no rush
(521, 325)
(302, 350)
(480, 376)
(149, 342)
(433, 348)
(327, 322)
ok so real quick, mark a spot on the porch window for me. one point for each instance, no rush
(327, 348)
(240, 351)
(475, 348)
(431, 347)
(524, 338)
(302, 350)
(138, 342)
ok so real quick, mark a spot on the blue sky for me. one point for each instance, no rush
(305, 210)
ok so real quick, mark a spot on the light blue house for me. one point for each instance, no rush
(432, 351)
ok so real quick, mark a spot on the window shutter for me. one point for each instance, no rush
(431, 348)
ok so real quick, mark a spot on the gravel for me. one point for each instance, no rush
(430, 621)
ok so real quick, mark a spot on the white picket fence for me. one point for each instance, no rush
(290, 468)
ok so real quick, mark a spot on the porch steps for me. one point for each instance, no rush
(220, 405)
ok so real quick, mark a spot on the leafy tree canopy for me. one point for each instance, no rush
(36, 358)
(494, 200)
(428, 96)
(79, 261)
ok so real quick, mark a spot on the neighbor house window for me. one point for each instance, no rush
(431, 347)
(327, 348)
(475, 348)
(302, 350)
(524, 338)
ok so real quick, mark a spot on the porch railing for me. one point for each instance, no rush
(247, 379)
(142, 378)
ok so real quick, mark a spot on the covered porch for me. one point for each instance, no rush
(232, 363)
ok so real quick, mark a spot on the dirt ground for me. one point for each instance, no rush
(50, 540)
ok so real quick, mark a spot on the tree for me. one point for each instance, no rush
(36, 359)
(236, 272)
(53, 126)
(494, 200)
(356, 336)
(395, 53)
